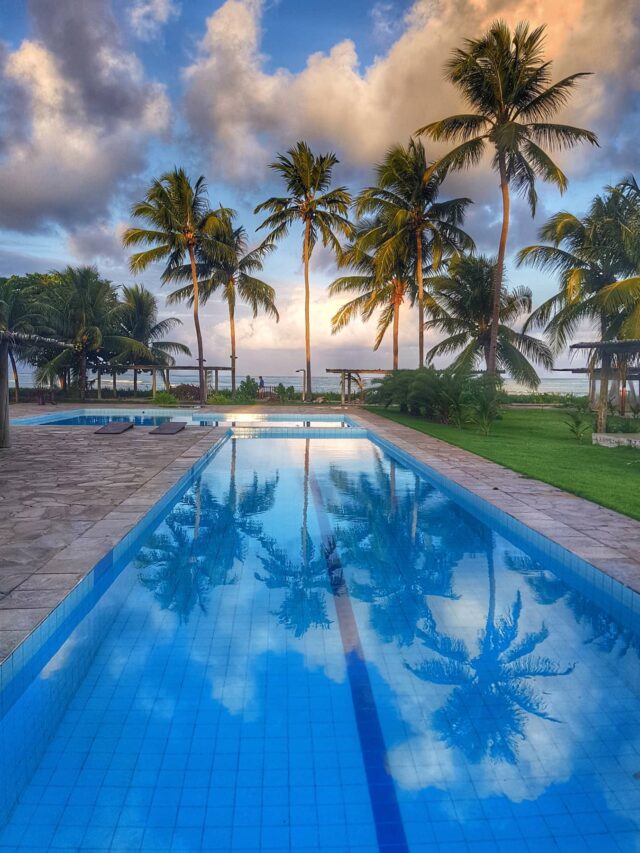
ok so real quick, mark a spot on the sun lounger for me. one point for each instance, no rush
(169, 428)
(114, 428)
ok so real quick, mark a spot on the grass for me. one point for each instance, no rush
(538, 444)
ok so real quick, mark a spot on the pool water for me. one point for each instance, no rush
(317, 649)
(193, 417)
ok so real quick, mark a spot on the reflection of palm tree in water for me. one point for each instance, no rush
(204, 538)
(485, 714)
(606, 632)
(405, 542)
(306, 581)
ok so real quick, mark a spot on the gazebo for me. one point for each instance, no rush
(620, 361)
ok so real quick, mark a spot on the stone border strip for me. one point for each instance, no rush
(600, 536)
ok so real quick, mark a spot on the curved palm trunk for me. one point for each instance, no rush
(499, 273)
(420, 282)
(14, 369)
(396, 324)
(4, 393)
(196, 323)
(307, 326)
(232, 332)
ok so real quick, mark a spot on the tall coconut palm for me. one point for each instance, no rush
(177, 217)
(462, 307)
(375, 290)
(83, 308)
(227, 265)
(321, 210)
(505, 80)
(138, 319)
(408, 208)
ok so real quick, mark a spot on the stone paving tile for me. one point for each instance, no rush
(64, 502)
(602, 537)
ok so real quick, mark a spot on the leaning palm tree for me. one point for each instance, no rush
(320, 210)
(504, 79)
(226, 264)
(177, 217)
(138, 319)
(462, 307)
(408, 210)
(373, 291)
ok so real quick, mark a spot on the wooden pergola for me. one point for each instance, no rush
(621, 357)
(165, 372)
(349, 374)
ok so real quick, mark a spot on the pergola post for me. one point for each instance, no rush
(349, 387)
(215, 380)
(601, 422)
(114, 383)
(99, 384)
(153, 382)
(342, 387)
(4, 393)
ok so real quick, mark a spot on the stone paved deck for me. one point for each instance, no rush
(606, 539)
(66, 497)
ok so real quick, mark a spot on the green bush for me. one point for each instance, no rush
(164, 398)
(620, 424)
(577, 423)
(248, 388)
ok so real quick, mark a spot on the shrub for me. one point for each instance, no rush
(621, 424)
(577, 423)
(186, 393)
(164, 398)
(248, 388)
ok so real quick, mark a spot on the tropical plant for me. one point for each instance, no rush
(248, 388)
(503, 77)
(18, 313)
(226, 264)
(138, 319)
(461, 304)
(177, 217)
(311, 201)
(376, 291)
(412, 223)
(82, 308)
(577, 423)
(165, 398)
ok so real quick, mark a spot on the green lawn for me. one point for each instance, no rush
(538, 444)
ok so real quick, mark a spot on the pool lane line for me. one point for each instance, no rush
(382, 793)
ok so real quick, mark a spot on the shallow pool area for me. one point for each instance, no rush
(315, 645)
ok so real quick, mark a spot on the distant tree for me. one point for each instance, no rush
(505, 80)
(310, 200)
(177, 218)
(461, 305)
(408, 210)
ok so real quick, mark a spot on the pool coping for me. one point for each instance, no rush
(601, 537)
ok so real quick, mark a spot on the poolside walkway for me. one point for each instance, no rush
(66, 497)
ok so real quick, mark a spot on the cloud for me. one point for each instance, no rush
(90, 113)
(244, 111)
(147, 17)
(98, 242)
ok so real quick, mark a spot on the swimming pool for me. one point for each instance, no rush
(315, 645)
(193, 417)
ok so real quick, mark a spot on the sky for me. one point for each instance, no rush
(99, 96)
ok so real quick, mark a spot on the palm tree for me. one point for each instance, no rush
(504, 79)
(374, 291)
(138, 319)
(83, 309)
(409, 211)
(178, 217)
(17, 314)
(462, 307)
(322, 212)
(228, 265)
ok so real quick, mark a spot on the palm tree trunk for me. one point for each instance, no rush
(4, 393)
(601, 422)
(499, 273)
(14, 368)
(82, 379)
(396, 326)
(307, 326)
(420, 282)
(196, 323)
(232, 331)
(135, 382)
